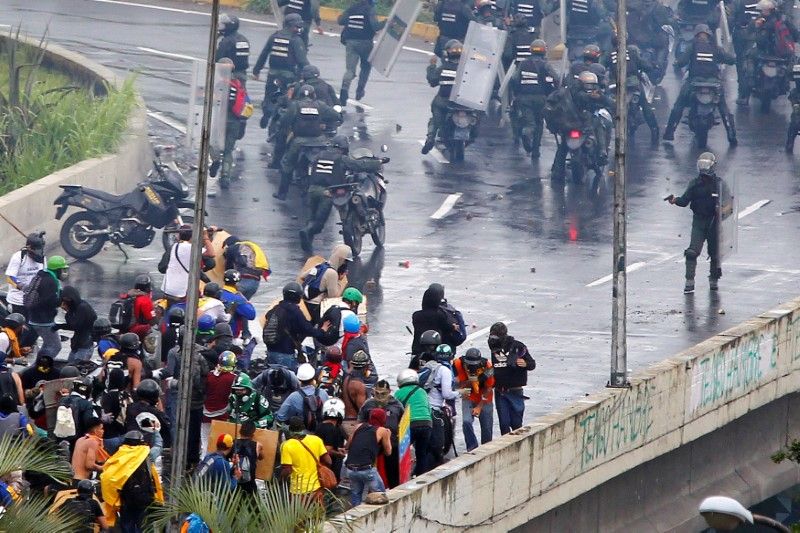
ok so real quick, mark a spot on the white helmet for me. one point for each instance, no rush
(148, 422)
(765, 5)
(407, 376)
(306, 372)
(333, 408)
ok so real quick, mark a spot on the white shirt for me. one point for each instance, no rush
(177, 277)
(442, 387)
(23, 270)
(213, 308)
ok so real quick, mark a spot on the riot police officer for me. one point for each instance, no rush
(591, 63)
(531, 11)
(637, 66)
(308, 11)
(286, 53)
(310, 75)
(306, 119)
(703, 198)
(645, 29)
(360, 26)
(233, 45)
(330, 168)
(485, 14)
(452, 17)
(703, 57)
(743, 13)
(699, 12)
(584, 18)
(530, 85)
(518, 42)
(442, 76)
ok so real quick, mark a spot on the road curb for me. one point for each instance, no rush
(31, 207)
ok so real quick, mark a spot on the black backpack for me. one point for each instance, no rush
(121, 313)
(138, 491)
(83, 510)
(312, 409)
(273, 326)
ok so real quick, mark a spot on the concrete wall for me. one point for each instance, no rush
(559, 457)
(31, 207)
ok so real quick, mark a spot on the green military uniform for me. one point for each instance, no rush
(442, 76)
(532, 82)
(360, 25)
(702, 196)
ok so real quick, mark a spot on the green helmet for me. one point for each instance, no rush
(351, 294)
(57, 262)
(243, 381)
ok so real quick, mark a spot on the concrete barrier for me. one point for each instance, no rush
(521, 476)
(31, 207)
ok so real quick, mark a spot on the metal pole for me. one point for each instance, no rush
(619, 346)
(190, 325)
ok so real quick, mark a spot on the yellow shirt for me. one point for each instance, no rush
(304, 467)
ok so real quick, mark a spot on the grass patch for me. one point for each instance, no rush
(383, 7)
(57, 125)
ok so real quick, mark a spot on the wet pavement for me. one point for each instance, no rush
(512, 247)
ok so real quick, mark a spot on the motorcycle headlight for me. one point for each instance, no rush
(356, 199)
(461, 119)
(770, 70)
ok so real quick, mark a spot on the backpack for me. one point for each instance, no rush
(83, 510)
(312, 280)
(454, 318)
(559, 111)
(138, 491)
(30, 295)
(121, 313)
(125, 401)
(332, 385)
(241, 107)
(247, 459)
(194, 524)
(312, 410)
(784, 44)
(273, 326)
(427, 375)
(65, 421)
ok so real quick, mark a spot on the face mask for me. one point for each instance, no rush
(43, 369)
(36, 255)
(495, 342)
(63, 274)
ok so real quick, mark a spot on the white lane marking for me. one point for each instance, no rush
(437, 155)
(752, 208)
(605, 279)
(168, 54)
(359, 104)
(168, 121)
(446, 206)
(483, 331)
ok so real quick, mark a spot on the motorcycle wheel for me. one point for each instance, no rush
(457, 151)
(76, 245)
(168, 239)
(378, 233)
(701, 136)
(766, 103)
(577, 170)
(352, 237)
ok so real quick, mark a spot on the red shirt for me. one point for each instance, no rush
(143, 311)
(218, 389)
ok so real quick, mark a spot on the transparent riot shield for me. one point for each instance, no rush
(728, 207)
(219, 112)
(478, 67)
(277, 12)
(195, 119)
(394, 35)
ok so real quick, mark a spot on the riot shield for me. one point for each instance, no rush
(723, 33)
(728, 207)
(276, 12)
(478, 67)
(219, 113)
(394, 35)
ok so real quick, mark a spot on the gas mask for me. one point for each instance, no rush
(495, 342)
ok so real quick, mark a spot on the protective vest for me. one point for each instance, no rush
(452, 22)
(241, 61)
(796, 73)
(578, 13)
(308, 122)
(531, 11)
(521, 41)
(328, 169)
(534, 78)
(358, 26)
(696, 7)
(447, 78)
(703, 64)
(301, 7)
(746, 12)
(280, 55)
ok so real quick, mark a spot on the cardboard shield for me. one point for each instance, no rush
(394, 34)
(478, 67)
(52, 395)
(728, 209)
(267, 438)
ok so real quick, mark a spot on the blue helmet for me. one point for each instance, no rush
(351, 324)
(206, 323)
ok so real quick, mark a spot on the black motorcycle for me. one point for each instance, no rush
(360, 202)
(459, 130)
(702, 111)
(129, 218)
(584, 150)
(771, 80)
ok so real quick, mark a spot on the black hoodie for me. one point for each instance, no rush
(430, 316)
(80, 318)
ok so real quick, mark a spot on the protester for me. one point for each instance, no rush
(79, 319)
(85, 509)
(332, 433)
(382, 398)
(251, 262)
(362, 453)
(13, 325)
(215, 466)
(144, 314)
(218, 390)
(297, 403)
(90, 454)
(327, 279)
(175, 263)
(22, 267)
(354, 389)
(10, 382)
(245, 404)
(512, 362)
(475, 376)
(41, 306)
(414, 397)
(75, 413)
(300, 454)
(240, 309)
(248, 452)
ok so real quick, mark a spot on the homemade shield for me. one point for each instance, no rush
(478, 67)
(394, 35)
(728, 207)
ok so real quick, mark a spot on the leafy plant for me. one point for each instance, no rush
(259, 6)
(791, 452)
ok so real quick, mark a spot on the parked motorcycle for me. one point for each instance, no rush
(360, 202)
(460, 129)
(702, 111)
(771, 80)
(584, 150)
(129, 218)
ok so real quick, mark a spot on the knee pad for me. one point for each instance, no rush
(690, 254)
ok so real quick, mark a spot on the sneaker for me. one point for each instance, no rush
(428, 146)
(689, 287)
(713, 284)
(359, 93)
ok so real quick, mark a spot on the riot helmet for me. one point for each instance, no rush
(707, 164)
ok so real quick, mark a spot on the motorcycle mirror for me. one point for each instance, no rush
(384, 148)
(337, 108)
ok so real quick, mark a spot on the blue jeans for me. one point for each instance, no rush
(288, 360)
(485, 420)
(510, 408)
(421, 439)
(81, 354)
(248, 287)
(360, 479)
(51, 340)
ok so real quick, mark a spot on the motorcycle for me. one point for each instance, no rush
(129, 218)
(702, 114)
(771, 80)
(584, 152)
(577, 39)
(459, 130)
(360, 202)
(659, 62)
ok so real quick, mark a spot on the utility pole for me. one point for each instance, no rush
(190, 324)
(619, 344)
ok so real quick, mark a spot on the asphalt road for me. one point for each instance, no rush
(512, 247)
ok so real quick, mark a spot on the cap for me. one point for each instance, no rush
(225, 441)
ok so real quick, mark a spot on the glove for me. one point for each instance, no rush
(157, 374)
(55, 327)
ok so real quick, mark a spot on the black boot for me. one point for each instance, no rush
(730, 129)
(359, 93)
(305, 241)
(428, 146)
(790, 142)
(343, 97)
(654, 135)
